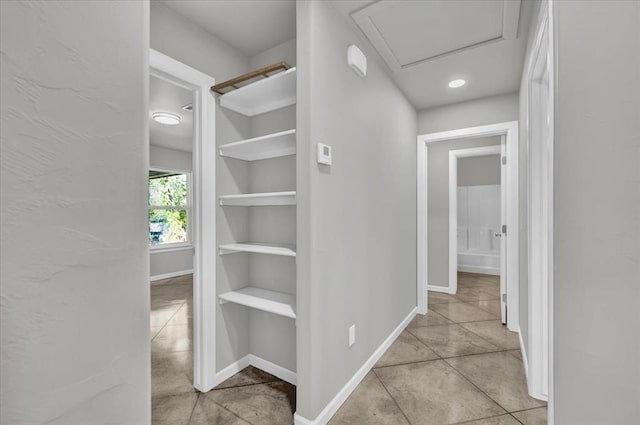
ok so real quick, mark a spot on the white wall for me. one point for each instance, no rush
(74, 270)
(356, 237)
(597, 213)
(438, 204)
(169, 158)
(171, 262)
(479, 170)
(488, 110)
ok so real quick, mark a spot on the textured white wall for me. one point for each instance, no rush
(597, 213)
(75, 266)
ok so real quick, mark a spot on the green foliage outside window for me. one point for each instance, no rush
(168, 225)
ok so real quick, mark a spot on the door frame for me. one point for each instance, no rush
(510, 131)
(540, 215)
(203, 210)
(454, 155)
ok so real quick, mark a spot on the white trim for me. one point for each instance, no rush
(272, 368)
(203, 216)
(523, 353)
(332, 407)
(454, 155)
(510, 130)
(160, 249)
(422, 249)
(257, 362)
(158, 277)
(494, 271)
(540, 203)
(232, 369)
(440, 288)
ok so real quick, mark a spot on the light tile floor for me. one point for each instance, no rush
(458, 364)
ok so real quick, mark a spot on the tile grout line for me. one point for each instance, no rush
(391, 396)
(444, 358)
(168, 320)
(500, 349)
(481, 419)
(194, 407)
(478, 388)
(222, 407)
(516, 419)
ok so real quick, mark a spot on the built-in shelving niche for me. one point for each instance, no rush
(273, 92)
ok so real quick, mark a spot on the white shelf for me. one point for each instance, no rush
(263, 147)
(259, 199)
(259, 248)
(262, 299)
(269, 94)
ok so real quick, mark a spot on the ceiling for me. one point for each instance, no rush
(167, 97)
(251, 26)
(426, 44)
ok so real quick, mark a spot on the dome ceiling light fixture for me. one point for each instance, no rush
(454, 84)
(166, 118)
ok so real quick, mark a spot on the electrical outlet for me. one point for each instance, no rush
(352, 335)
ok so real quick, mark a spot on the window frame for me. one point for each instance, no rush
(173, 246)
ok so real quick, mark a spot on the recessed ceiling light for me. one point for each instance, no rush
(456, 83)
(166, 118)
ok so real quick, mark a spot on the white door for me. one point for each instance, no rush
(501, 232)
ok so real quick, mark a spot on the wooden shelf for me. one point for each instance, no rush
(270, 146)
(262, 299)
(258, 248)
(266, 95)
(259, 199)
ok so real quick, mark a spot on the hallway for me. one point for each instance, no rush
(457, 364)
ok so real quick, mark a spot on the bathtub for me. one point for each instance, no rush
(479, 262)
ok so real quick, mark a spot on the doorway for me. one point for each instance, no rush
(509, 240)
(477, 211)
(198, 208)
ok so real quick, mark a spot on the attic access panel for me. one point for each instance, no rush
(434, 29)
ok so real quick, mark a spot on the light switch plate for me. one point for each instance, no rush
(324, 154)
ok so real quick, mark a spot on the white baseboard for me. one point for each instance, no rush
(523, 352)
(437, 288)
(479, 269)
(525, 362)
(169, 275)
(272, 368)
(232, 369)
(258, 362)
(333, 406)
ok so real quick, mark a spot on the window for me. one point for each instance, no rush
(169, 207)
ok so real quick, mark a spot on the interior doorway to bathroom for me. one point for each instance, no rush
(479, 244)
(479, 214)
